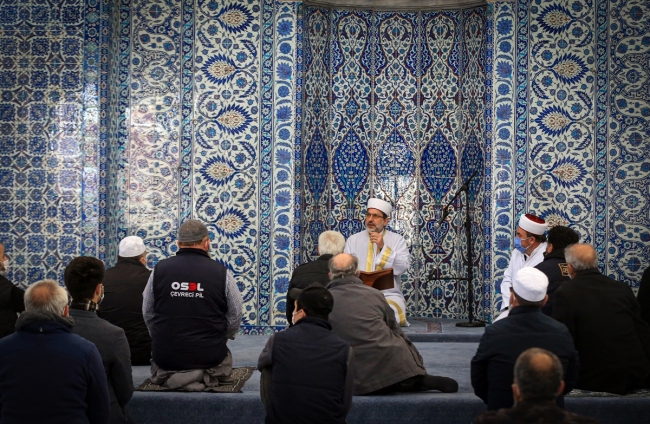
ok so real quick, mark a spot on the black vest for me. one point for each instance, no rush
(189, 322)
(308, 378)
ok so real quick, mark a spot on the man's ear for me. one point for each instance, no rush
(545, 300)
(560, 389)
(516, 394)
(143, 259)
(98, 289)
(66, 311)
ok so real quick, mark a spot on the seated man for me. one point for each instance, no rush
(83, 278)
(11, 297)
(538, 381)
(525, 327)
(192, 306)
(330, 243)
(604, 319)
(122, 306)
(48, 374)
(307, 372)
(530, 245)
(378, 248)
(385, 359)
(554, 265)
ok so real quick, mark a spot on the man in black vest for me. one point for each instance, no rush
(554, 265)
(191, 306)
(307, 371)
(122, 305)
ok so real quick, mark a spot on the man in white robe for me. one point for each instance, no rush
(377, 248)
(530, 245)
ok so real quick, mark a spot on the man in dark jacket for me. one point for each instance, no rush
(330, 243)
(307, 371)
(604, 319)
(538, 382)
(11, 298)
(525, 327)
(83, 278)
(554, 265)
(122, 305)
(385, 359)
(48, 374)
(191, 306)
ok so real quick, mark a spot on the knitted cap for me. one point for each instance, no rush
(530, 284)
(192, 230)
(131, 246)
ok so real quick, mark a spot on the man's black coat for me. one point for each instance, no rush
(613, 341)
(557, 270)
(312, 272)
(492, 367)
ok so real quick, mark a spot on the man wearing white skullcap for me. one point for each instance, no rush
(526, 327)
(377, 249)
(530, 245)
(122, 305)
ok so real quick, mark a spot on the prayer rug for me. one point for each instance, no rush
(422, 326)
(239, 376)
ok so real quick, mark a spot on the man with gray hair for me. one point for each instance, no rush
(537, 383)
(385, 359)
(192, 306)
(330, 243)
(604, 319)
(44, 364)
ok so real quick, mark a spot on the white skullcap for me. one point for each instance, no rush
(382, 205)
(533, 224)
(530, 284)
(131, 246)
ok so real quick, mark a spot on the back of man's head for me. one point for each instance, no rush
(315, 300)
(331, 243)
(538, 376)
(529, 287)
(343, 265)
(46, 296)
(561, 237)
(82, 275)
(581, 256)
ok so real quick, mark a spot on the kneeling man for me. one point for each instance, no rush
(385, 359)
(192, 306)
(307, 371)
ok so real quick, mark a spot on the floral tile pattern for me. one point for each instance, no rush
(273, 121)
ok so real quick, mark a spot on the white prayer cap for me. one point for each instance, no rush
(533, 224)
(530, 284)
(131, 246)
(381, 205)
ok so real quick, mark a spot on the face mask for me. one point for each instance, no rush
(518, 245)
(5, 264)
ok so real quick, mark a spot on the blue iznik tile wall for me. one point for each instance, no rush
(272, 120)
(52, 175)
(571, 126)
(394, 107)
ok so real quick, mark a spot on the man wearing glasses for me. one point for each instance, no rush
(377, 249)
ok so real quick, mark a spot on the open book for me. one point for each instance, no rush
(381, 280)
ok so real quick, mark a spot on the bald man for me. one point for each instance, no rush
(537, 383)
(604, 319)
(385, 359)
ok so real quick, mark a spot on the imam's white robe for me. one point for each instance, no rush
(517, 262)
(395, 254)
